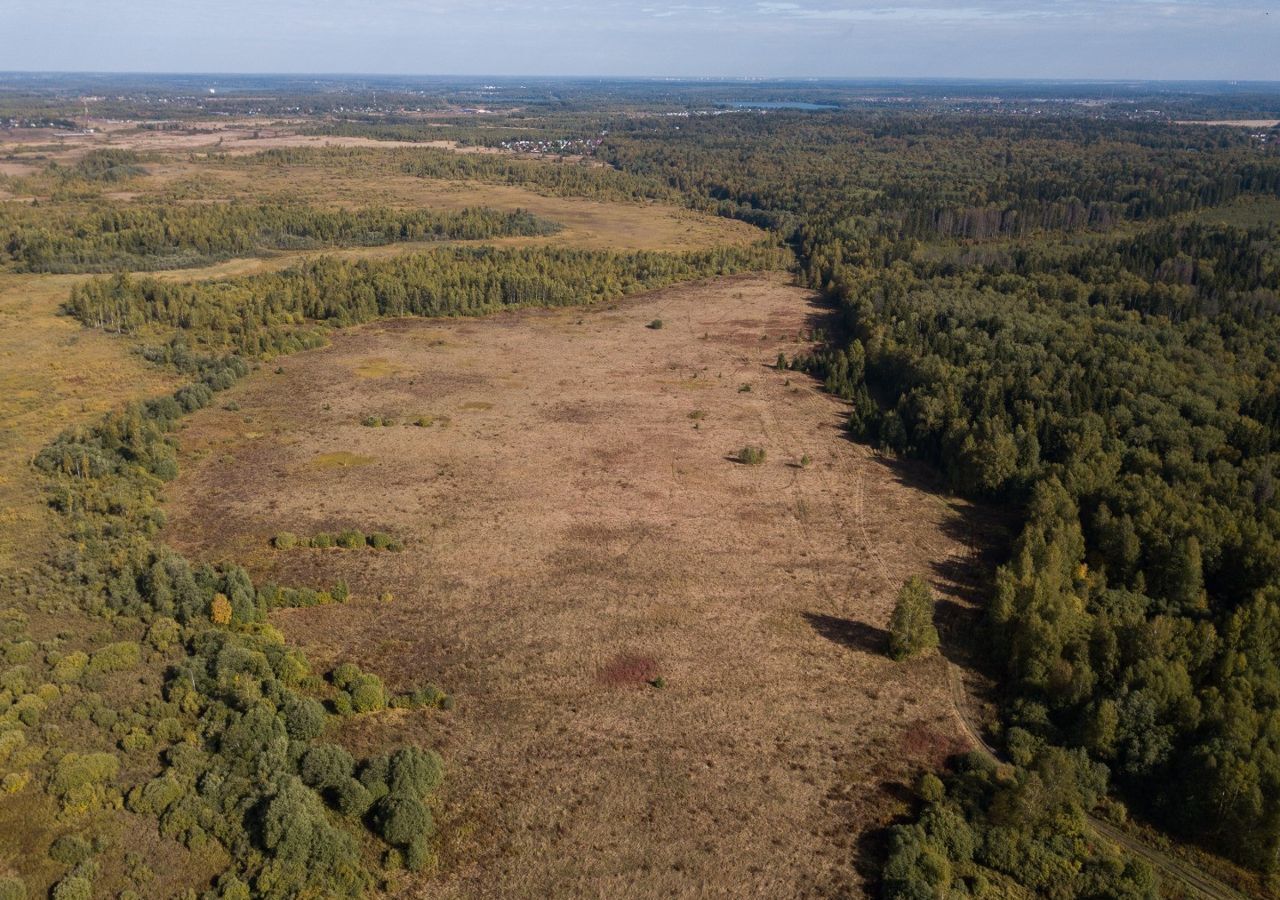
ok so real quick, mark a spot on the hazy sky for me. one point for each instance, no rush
(1229, 39)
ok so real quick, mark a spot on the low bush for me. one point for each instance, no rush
(351, 540)
(751, 456)
(69, 668)
(117, 657)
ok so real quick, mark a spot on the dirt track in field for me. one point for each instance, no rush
(571, 536)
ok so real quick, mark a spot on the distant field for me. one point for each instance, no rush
(576, 527)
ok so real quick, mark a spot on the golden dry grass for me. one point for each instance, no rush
(573, 536)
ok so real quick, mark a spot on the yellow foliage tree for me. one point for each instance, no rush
(220, 611)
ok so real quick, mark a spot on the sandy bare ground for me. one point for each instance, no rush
(572, 535)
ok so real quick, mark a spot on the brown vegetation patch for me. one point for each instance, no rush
(628, 670)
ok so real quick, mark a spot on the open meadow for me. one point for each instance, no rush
(669, 666)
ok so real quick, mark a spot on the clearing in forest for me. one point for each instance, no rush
(669, 666)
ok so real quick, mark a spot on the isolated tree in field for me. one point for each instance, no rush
(911, 628)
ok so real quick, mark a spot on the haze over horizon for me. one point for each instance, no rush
(1075, 39)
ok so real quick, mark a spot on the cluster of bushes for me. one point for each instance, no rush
(391, 421)
(362, 692)
(345, 540)
(989, 824)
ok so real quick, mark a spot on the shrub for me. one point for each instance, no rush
(418, 855)
(12, 888)
(76, 886)
(368, 694)
(401, 819)
(304, 718)
(79, 782)
(351, 540)
(116, 657)
(163, 633)
(70, 667)
(19, 652)
(285, 540)
(136, 740)
(10, 742)
(371, 421)
(156, 796)
(751, 456)
(380, 540)
(655, 324)
(344, 675)
(413, 771)
(78, 770)
(322, 541)
(15, 680)
(326, 765)
(911, 628)
(351, 798)
(70, 850)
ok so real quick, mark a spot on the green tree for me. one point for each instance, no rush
(911, 629)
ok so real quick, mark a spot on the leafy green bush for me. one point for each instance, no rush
(70, 850)
(401, 819)
(351, 540)
(326, 765)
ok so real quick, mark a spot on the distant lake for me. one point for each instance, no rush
(779, 104)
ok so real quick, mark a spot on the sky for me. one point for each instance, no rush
(1122, 39)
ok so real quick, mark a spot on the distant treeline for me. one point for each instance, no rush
(141, 236)
(272, 313)
(562, 179)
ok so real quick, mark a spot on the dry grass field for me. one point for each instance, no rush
(53, 373)
(669, 666)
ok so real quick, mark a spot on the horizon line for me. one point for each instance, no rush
(813, 79)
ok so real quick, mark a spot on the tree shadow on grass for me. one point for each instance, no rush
(850, 633)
